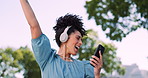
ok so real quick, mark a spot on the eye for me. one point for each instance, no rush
(77, 38)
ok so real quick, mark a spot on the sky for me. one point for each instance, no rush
(14, 29)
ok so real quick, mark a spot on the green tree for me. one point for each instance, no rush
(111, 62)
(27, 61)
(14, 61)
(118, 17)
(8, 66)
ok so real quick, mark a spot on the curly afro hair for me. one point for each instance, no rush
(68, 20)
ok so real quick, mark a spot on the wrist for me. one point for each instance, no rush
(97, 76)
(24, 1)
(97, 73)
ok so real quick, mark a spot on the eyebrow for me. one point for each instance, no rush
(79, 36)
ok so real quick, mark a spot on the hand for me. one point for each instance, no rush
(97, 63)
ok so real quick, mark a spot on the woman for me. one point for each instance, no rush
(69, 32)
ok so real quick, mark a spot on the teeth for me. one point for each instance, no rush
(77, 47)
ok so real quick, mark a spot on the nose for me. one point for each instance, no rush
(80, 42)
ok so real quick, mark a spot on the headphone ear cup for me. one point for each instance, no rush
(63, 37)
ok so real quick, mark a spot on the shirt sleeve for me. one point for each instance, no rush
(89, 70)
(42, 50)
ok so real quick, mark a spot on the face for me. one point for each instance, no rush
(74, 42)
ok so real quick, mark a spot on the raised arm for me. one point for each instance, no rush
(31, 19)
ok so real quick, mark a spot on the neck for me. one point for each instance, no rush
(63, 53)
(65, 57)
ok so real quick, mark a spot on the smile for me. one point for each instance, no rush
(77, 47)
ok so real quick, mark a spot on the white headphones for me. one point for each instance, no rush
(64, 35)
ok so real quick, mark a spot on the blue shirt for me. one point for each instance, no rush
(52, 66)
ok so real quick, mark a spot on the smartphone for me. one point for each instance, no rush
(99, 48)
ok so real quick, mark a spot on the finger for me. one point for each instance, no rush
(96, 58)
(100, 55)
(101, 62)
(94, 61)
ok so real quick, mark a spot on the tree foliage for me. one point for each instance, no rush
(8, 65)
(111, 62)
(118, 17)
(14, 61)
(28, 62)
